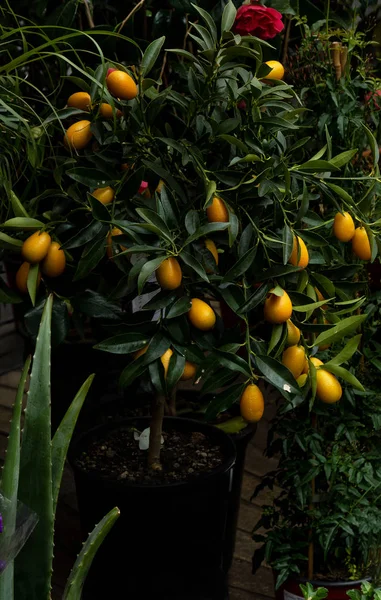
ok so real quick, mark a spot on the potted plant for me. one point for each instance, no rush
(229, 212)
(30, 488)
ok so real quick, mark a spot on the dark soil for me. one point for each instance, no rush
(184, 456)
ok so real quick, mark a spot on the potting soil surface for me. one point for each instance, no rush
(184, 456)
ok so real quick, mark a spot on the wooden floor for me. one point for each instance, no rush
(243, 585)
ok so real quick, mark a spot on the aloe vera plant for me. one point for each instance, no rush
(32, 474)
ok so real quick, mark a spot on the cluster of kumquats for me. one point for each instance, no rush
(278, 309)
(39, 249)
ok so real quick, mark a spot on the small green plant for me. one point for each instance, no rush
(32, 474)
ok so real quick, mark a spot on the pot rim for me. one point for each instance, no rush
(332, 584)
(226, 441)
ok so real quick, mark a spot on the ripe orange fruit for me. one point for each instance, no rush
(294, 359)
(165, 358)
(189, 371)
(306, 367)
(36, 246)
(293, 334)
(301, 380)
(316, 361)
(80, 100)
(217, 211)
(22, 278)
(168, 274)
(302, 249)
(78, 135)
(54, 262)
(252, 404)
(201, 315)
(140, 352)
(121, 85)
(105, 195)
(328, 388)
(277, 69)
(107, 112)
(343, 227)
(113, 233)
(211, 246)
(277, 309)
(361, 245)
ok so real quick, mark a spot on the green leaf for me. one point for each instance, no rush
(34, 563)
(205, 230)
(83, 236)
(192, 221)
(93, 178)
(288, 241)
(342, 159)
(233, 362)
(99, 210)
(92, 254)
(123, 343)
(312, 306)
(151, 55)
(373, 145)
(131, 372)
(151, 217)
(62, 438)
(32, 282)
(180, 307)
(344, 374)
(223, 401)
(241, 266)
(78, 574)
(340, 192)
(147, 270)
(17, 207)
(175, 370)
(340, 330)
(347, 352)
(255, 299)
(9, 243)
(317, 166)
(24, 223)
(10, 481)
(276, 336)
(194, 264)
(166, 176)
(278, 271)
(208, 20)
(278, 375)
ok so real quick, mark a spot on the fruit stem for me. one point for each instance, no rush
(156, 428)
(247, 340)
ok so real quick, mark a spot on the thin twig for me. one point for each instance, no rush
(88, 14)
(162, 70)
(131, 14)
(286, 40)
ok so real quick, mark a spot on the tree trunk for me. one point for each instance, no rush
(156, 428)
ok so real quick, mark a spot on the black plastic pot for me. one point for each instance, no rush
(241, 441)
(169, 540)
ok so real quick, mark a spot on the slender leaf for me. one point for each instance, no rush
(63, 435)
(151, 55)
(34, 563)
(74, 585)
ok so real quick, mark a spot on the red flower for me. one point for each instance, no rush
(261, 21)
